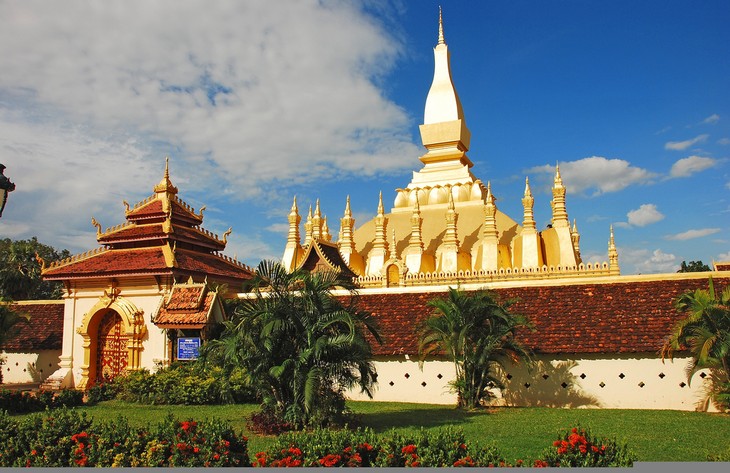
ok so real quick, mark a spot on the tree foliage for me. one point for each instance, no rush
(301, 346)
(477, 333)
(20, 272)
(693, 267)
(705, 333)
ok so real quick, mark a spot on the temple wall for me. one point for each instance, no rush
(29, 367)
(569, 382)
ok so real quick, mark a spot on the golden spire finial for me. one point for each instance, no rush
(294, 207)
(348, 212)
(381, 210)
(558, 179)
(613, 267)
(528, 192)
(441, 28)
(393, 252)
(317, 212)
(165, 185)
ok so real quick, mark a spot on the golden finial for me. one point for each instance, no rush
(202, 209)
(97, 225)
(381, 210)
(558, 179)
(451, 200)
(394, 252)
(348, 212)
(225, 235)
(294, 207)
(441, 28)
(41, 262)
(528, 192)
(126, 206)
(317, 212)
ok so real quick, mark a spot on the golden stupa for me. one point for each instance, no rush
(444, 226)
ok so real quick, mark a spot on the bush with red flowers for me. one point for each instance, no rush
(578, 448)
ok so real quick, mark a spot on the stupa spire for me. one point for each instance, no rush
(308, 228)
(326, 235)
(293, 248)
(489, 231)
(613, 268)
(560, 213)
(317, 223)
(165, 185)
(379, 254)
(528, 222)
(441, 27)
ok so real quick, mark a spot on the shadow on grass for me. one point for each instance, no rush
(415, 418)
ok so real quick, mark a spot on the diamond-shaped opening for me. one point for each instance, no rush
(703, 375)
(662, 375)
(407, 375)
(564, 384)
(641, 384)
(583, 376)
(439, 376)
(423, 384)
(682, 384)
(527, 385)
(391, 383)
(602, 384)
(622, 376)
(545, 376)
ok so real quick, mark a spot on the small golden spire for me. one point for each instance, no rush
(326, 235)
(381, 209)
(441, 28)
(528, 202)
(165, 185)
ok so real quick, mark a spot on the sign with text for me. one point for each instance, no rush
(188, 348)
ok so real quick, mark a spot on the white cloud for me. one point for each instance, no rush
(714, 118)
(645, 215)
(647, 263)
(690, 234)
(723, 257)
(685, 167)
(682, 145)
(216, 80)
(597, 173)
(247, 96)
(724, 141)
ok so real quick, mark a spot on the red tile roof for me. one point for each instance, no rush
(111, 262)
(630, 317)
(186, 307)
(44, 330)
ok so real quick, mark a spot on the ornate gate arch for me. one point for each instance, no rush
(113, 327)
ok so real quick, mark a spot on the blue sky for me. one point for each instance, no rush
(258, 101)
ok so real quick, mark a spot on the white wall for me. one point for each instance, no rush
(647, 383)
(29, 367)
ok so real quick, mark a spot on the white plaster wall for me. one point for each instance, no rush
(647, 383)
(401, 380)
(29, 367)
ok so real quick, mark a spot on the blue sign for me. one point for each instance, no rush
(188, 348)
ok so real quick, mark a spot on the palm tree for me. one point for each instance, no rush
(705, 333)
(301, 345)
(477, 334)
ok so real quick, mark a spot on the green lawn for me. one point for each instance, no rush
(517, 432)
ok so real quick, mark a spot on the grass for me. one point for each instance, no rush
(654, 435)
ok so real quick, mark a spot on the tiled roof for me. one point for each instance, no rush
(211, 264)
(111, 262)
(149, 209)
(631, 317)
(133, 232)
(187, 306)
(44, 330)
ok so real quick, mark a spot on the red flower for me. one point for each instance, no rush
(540, 464)
(34, 452)
(408, 449)
(216, 457)
(330, 460)
(196, 450)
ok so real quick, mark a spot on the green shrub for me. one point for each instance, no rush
(102, 392)
(578, 448)
(64, 437)
(445, 447)
(68, 398)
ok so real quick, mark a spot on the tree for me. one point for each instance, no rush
(693, 267)
(20, 271)
(477, 334)
(301, 346)
(9, 320)
(705, 333)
